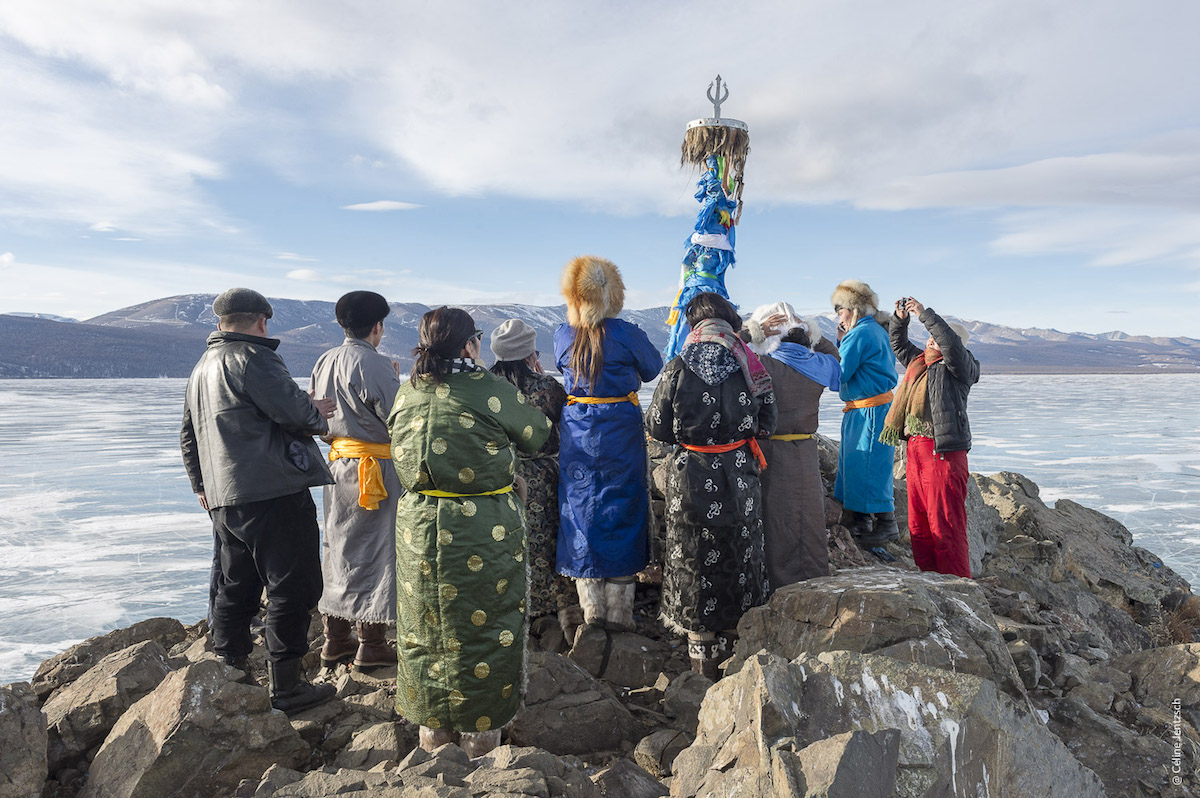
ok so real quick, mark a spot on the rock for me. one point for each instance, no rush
(80, 715)
(681, 699)
(1163, 676)
(1070, 671)
(79, 658)
(929, 618)
(197, 734)
(275, 778)
(855, 764)
(984, 529)
(627, 659)
(565, 776)
(656, 751)
(448, 763)
(510, 781)
(1027, 662)
(381, 742)
(960, 735)
(1131, 764)
(356, 784)
(566, 711)
(624, 779)
(23, 767)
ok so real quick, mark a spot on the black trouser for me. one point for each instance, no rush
(273, 544)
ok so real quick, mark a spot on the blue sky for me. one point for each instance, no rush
(1018, 162)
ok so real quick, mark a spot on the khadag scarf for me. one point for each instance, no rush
(718, 331)
(821, 369)
(908, 407)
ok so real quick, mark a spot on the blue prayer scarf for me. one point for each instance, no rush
(820, 368)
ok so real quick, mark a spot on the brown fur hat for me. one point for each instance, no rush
(856, 295)
(594, 291)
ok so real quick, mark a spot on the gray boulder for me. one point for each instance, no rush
(959, 734)
(81, 657)
(197, 734)
(855, 764)
(929, 618)
(564, 776)
(80, 715)
(681, 699)
(566, 711)
(624, 779)
(1167, 677)
(380, 742)
(23, 754)
(626, 659)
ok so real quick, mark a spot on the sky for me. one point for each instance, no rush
(1018, 162)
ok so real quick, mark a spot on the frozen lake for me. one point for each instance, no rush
(99, 527)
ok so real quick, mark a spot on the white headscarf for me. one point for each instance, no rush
(768, 344)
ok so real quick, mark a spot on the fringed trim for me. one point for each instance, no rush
(672, 625)
(732, 144)
(389, 622)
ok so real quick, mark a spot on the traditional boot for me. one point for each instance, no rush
(886, 530)
(705, 655)
(432, 739)
(592, 599)
(291, 695)
(479, 743)
(339, 645)
(374, 650)
(242, 664)
(858, 523)
(618, 603)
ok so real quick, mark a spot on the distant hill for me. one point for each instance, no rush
(166, 336)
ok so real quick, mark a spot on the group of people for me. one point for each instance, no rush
(462, 502)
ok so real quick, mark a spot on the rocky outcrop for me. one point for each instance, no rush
(199, 733)
(80, 715)
(23, 752)
(929, 618)
(78, 659)
(957, 733)
(567, 711)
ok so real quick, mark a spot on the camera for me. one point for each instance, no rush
(904, 300)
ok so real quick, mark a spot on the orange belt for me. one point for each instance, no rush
(721, 448)
(631, 397)
(870, 401)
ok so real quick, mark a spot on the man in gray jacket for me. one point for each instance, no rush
(249, 453)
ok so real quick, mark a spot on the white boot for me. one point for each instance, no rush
(592, 599)
(477, 744)
(618, 600)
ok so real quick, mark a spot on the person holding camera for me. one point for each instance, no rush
(930, 412)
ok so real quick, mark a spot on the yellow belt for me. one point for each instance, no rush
(370, 477)
(871, 401)
(603, 400)
(445, 494)
(791, 436)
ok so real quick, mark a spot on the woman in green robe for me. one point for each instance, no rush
(460, 538)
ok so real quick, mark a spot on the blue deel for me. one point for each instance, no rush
(864, 476)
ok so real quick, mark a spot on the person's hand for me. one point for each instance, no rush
(901, 309)
(915, 307)
(203, 500)
(773, 324)
(325, 407)
(841, 330)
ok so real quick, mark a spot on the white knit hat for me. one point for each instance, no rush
(513, 340)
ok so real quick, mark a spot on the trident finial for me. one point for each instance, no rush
(716, 101)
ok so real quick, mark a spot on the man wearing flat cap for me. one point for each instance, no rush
(251, 458)
(359, 550)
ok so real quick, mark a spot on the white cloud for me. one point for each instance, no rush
(294, 257)
(381, 205)
(7, 259)
(305, 275)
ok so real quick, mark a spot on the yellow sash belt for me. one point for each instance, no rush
(632, 398)
(370, 477)
(445, 494)
(870, 401)
(791, 436)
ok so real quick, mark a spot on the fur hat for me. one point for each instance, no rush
(360, 309)
(766, 344)
(855, 295)
(513, 340)
(963, 334)
(593, 289)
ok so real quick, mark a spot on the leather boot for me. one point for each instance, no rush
(242, 664)
(478, 743)
(859, 524)
(705, 656)
(374, 650)
(291, 695)
(339, 645)
(618, 604)
(886, 529)
(592, 599)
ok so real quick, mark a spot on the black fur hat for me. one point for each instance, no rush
(359, 310)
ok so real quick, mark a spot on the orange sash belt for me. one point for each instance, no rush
(631, 397)
(721, 448)
(870, 401)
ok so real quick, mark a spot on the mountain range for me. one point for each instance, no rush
(164, 338)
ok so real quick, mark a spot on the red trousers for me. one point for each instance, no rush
(937, 508)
